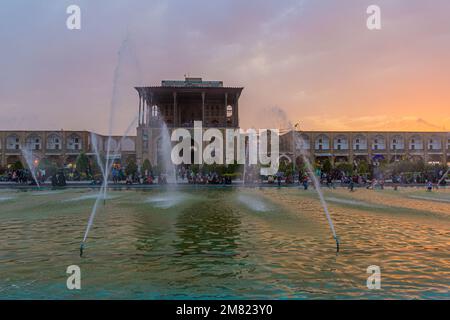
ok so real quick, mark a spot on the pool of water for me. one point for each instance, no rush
(225, 243)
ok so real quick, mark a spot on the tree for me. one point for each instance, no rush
(346, 167)
(363, 167)
(95, 167)
(286, 167)
(282, 166)
(82, 163)
(17, 165)
(146, 166)
(233, 168)
(49, 167)
(131, 167)
(326, 166)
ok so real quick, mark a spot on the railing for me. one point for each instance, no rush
(7, 150)
(341, 150)
(322, 150)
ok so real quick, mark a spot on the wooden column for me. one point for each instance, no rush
(331, 148)
(148, 109)
(405, 146)
(312, 144)
(44, 142)
(350, 148)
(387, 146)
(63, 145)
(203, 108)
(140, 109)
(369, 147)
(236, 110)
(226, 111)
(143, 109)
(444, 149)
(425, 142)
(175, 110)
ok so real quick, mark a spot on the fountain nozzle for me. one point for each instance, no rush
(81, 249)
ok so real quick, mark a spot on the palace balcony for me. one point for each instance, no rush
(397, 151)
(435, 151)
(342, 152)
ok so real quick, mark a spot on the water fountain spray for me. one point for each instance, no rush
(125, 48)
(245, 162)
(97, 154)
(297, 138)
(443, 177)
(166, 152)
(28, 156)
(318, 189)
(102, 192)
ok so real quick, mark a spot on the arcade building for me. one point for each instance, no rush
(179, 103)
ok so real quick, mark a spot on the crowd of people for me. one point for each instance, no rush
(182, 175)
(24, 176)
(419, 178)
(189, 175)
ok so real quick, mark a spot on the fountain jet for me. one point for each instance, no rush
(126, 48)
(297, 138)
(28, 156)
(443, 177)
(81, 249)
(317, 187)
(166, 151)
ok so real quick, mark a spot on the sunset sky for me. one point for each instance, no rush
(315, 60)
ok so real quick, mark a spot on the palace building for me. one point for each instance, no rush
(178, 103)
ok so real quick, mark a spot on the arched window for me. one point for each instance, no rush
(128, 145)
(415, 143)
(33, 142)
(322, 142)
(13, 142)
(54, 142)
(435, 143)
(113, 145)
(302, 142)
(341, 142)
(397, 143)
(379, 143)
(360, 143)
(74, 142)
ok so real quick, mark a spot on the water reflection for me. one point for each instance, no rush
(211, 245)
(209, 227)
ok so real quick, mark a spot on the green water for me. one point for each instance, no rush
(218, 243)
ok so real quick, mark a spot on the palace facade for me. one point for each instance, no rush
(61, 147)
(176, 104)
(431, 147)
